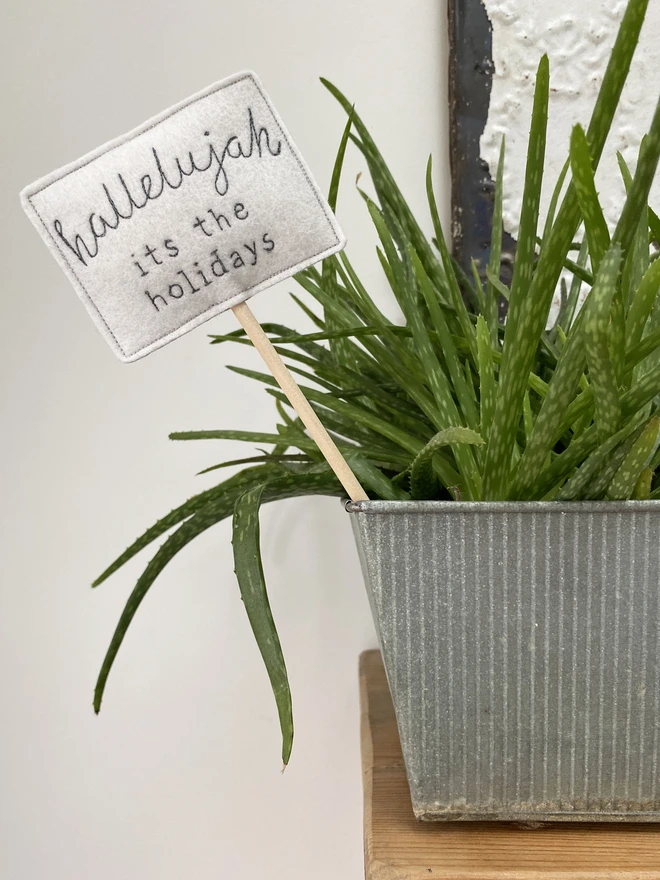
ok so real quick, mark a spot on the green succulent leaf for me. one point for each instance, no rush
(491, 309)
(487, 387)
(596, 324)
(627, 476)
(642, 303)
(224, 494)
(423, 482)
(250, 575)
(214, 511)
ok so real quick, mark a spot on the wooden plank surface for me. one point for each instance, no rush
(397, 847)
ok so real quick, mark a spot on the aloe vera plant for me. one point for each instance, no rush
(456, 403)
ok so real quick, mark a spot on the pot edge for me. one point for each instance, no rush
(502, 507)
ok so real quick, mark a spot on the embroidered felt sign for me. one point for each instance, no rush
(184, 217)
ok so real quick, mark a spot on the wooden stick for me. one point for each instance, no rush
(299, 402)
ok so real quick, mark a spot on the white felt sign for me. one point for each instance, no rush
(184, 217)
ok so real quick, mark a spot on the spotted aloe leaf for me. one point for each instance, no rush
(218, 507)
(642, 490)
(487, 387)
(222, 496)
(596, 323)
(626, 478)
(423, 481)
(495, 258)
(643, 301)
(561, 391)
(576, 487)
(529, 215)
(598, 236)
(252, 584)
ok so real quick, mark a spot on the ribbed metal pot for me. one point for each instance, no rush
(522, 647)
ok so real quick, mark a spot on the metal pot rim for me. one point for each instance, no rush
(501, 507)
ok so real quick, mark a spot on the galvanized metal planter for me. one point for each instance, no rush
(522, 647)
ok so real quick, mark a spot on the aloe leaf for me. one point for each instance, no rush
(294, 424)
(339, 163)
(524, 263)
(498, 285)
(346, 431)
(641, 393)
(385, 357)
(595, 226)
(262, 459)
(479, 291)
(251, 582)
(648, 345)
(576, 287)
(375, 479)
(561, 390)
(616, 336)
(386, 187)
(528, 416)
(654, 225)
(597, 488)
(642, 490)
(529, 215)
(423, 483)
(403, 290)
(438, 380)
(637, 261)
(632, 402)
(565, 463)
(298, 439)
(554, 200)
(218, 508)
(394, 360)
(465, 399)
(616, 74)
(593, 465)
(563, 385)
(491, 311)
(642, 304)
(579, 271)
(377, 393)
(228, 490)
(247, 436)
(625, 171)
(518, 359)
(456, 298)
(638, 193)
(344, 333)
(602, 373)
(365, 417)
(623, 485)
(487, 388)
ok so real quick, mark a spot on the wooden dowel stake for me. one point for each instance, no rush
(299, 402)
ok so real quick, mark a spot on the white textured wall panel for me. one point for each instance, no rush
(578, 38)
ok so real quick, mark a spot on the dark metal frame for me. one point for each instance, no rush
(470, 80)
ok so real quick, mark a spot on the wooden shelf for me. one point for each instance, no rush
(397, 847)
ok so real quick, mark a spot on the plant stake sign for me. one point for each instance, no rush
(186, 216)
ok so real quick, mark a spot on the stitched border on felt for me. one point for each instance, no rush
(244, 294)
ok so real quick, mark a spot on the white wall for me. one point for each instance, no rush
(180, 775)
